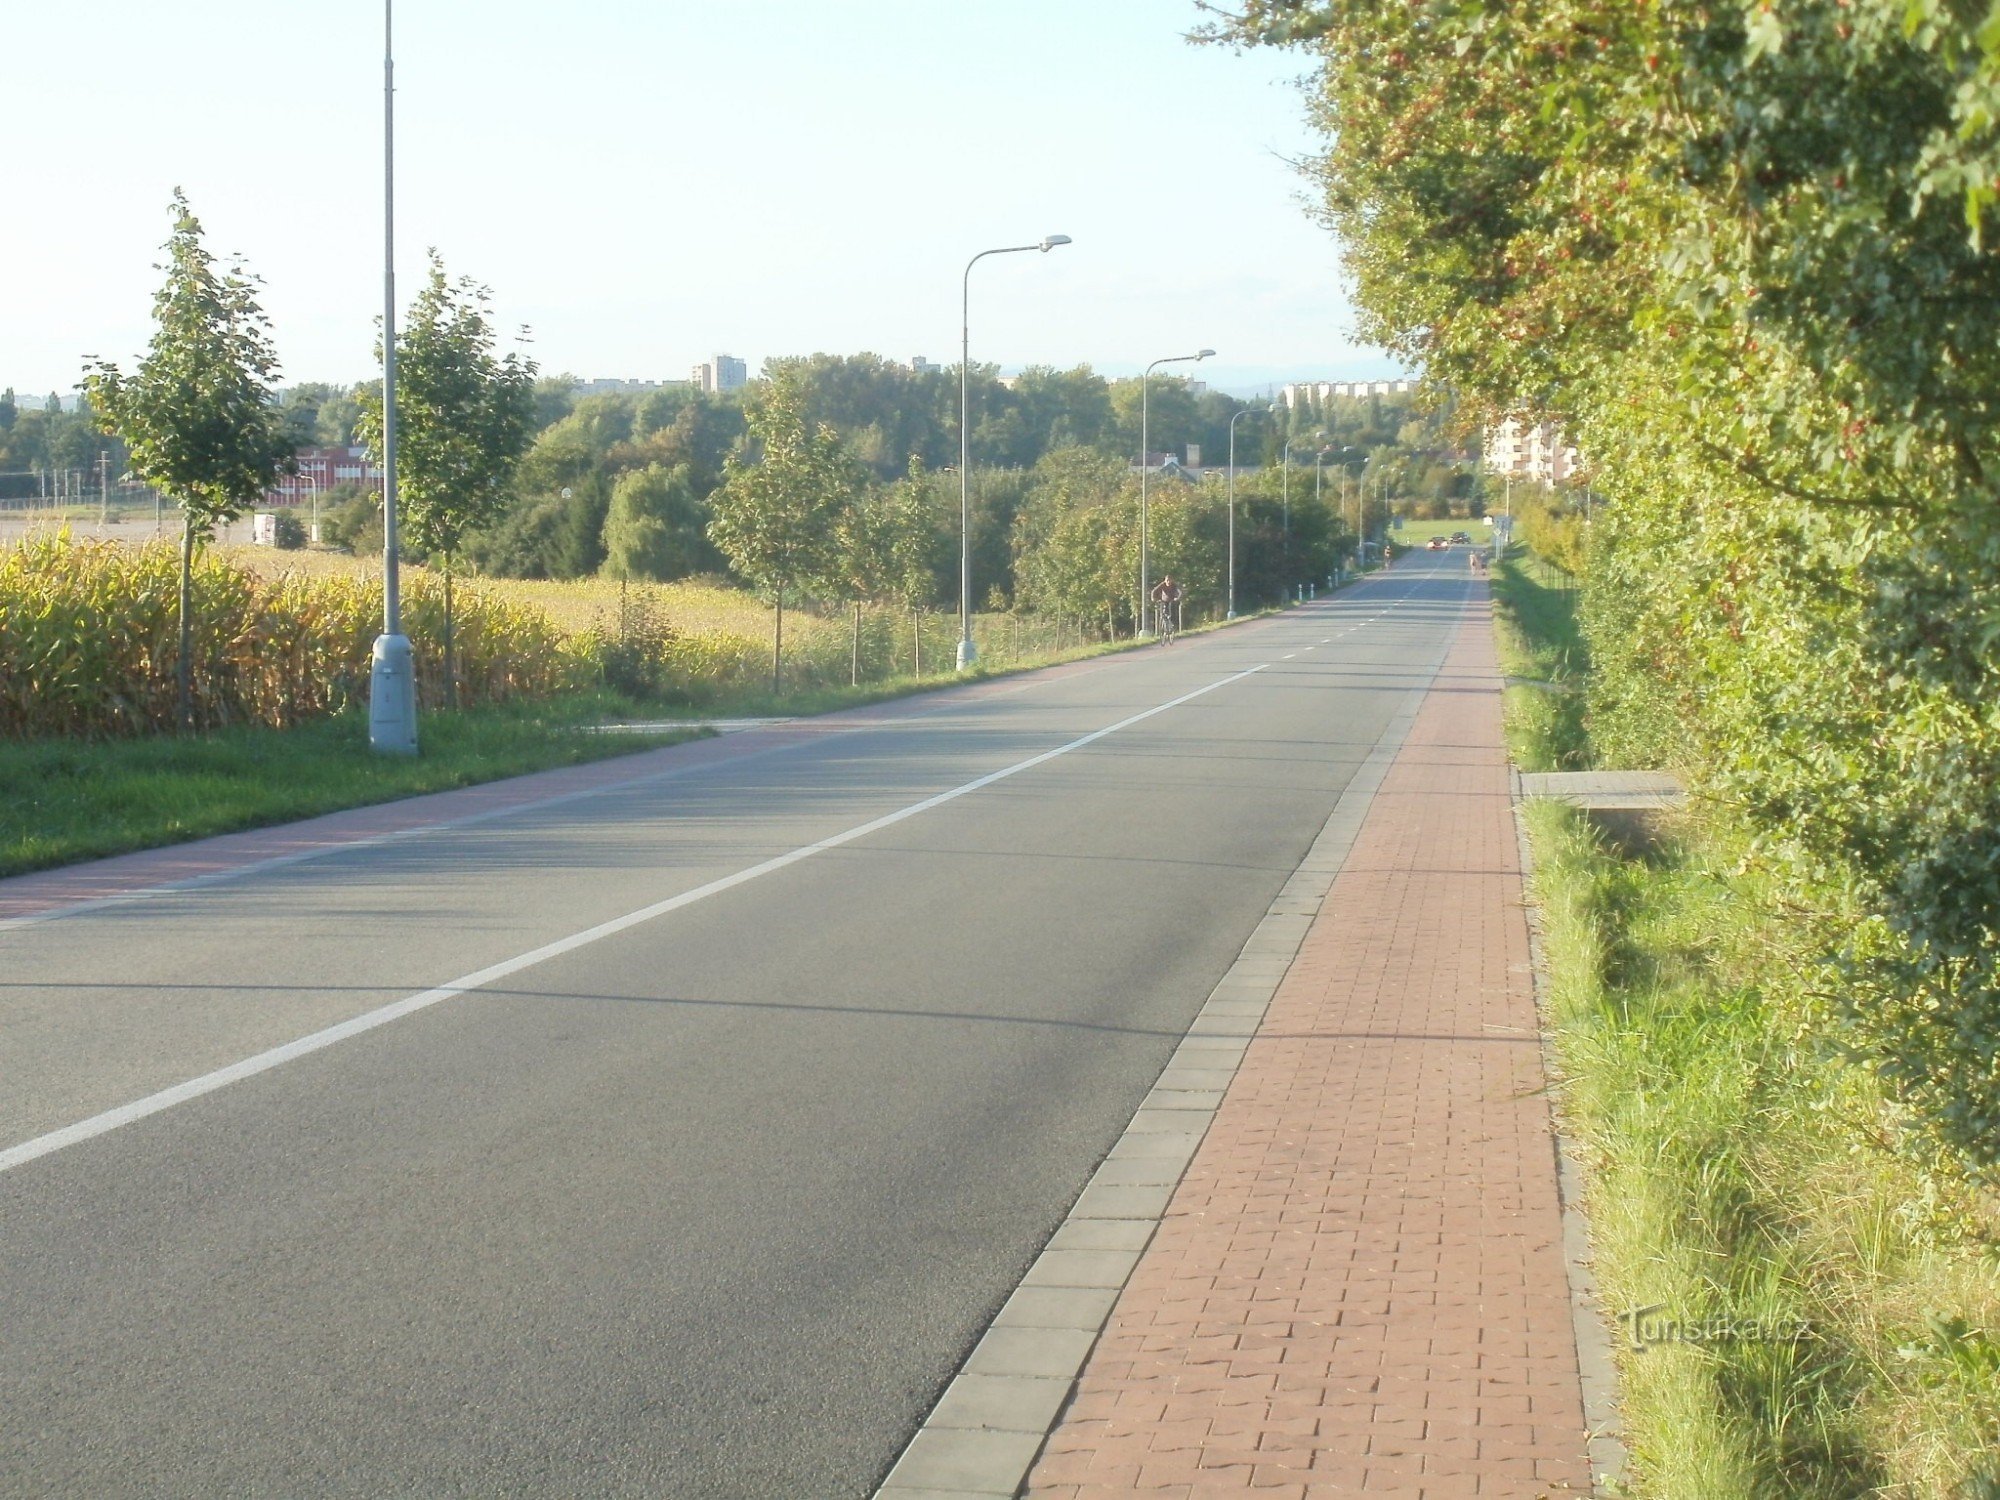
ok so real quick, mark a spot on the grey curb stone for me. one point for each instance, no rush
(1125, 1200)
(1103, 1268)
(1041, 1353)
(958, 1461)
(1057, 1306)
(1101, 1234)
(1002, 1403)
(1041, 1338)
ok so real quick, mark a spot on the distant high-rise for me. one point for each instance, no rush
(1530, 450)
(1346, 390)
(723, 373)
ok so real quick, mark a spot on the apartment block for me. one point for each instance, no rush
(1530, 450)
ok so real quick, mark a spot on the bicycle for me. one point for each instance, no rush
(1166, 623)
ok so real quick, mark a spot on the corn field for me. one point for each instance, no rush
(90, 638)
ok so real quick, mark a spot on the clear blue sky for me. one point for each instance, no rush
(647, 184)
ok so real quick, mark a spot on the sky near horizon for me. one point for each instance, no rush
(648, 184)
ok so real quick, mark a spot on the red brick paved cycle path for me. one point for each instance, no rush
(1359, 1285)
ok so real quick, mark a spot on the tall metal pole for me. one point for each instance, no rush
(1232, 507)
(1141, 624)
(967, 655)
(967, 652)
(1285, 534)
(1143, 619)
(392, 695)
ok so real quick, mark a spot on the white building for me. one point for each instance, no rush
(1530, 450)
(921, 366)
(1323, 390)
(607, 387)
(723, 373)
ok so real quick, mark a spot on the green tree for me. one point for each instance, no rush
(1745, 252)
(198, 414)
(657, 527)
(464, 414)
(777, 515)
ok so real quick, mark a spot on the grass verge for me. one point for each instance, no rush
(1542, 650)
(70, 800)
(1800, 1308)
(1817, 1317)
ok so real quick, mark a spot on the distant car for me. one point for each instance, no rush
(1459, 536)
(1437, 544)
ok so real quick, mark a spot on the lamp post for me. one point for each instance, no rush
(392, 690)
(312, 482)
(1145, 534)
(967, 654)
(1246, 412)
(1286, 532)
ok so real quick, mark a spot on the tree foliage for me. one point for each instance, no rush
(779, 513)
(1746, 252)
(463, 414)
(198, 414)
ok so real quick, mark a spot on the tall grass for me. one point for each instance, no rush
(1743, 1180)
(1544, 652)
(1740, 1178)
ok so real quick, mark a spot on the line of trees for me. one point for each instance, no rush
(200, 419)
(1746, 253)
(624, 485)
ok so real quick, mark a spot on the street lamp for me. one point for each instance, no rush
(1286, 549)
(1145, 535)
(1246, 412)
(967, 654)
(311, 478)
(392, 689)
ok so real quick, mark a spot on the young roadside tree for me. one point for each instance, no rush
(198, 414)
(464, 416)
(864, 561)
(777, 514)
(917, 546)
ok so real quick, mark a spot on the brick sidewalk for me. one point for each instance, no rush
(1359, 1285)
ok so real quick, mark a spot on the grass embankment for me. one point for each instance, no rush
(69, 800)
(1546, 661)
(1819, 1314)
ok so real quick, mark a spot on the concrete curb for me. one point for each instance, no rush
(1596, 1367)
(986, 1431)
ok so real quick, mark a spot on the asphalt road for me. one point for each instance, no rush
(709, 1204)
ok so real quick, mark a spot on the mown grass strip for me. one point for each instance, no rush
(70, 800)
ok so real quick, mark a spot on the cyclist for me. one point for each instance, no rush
(1166, 598)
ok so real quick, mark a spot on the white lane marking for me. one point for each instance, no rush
(1288, 656)
(249, 1067)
